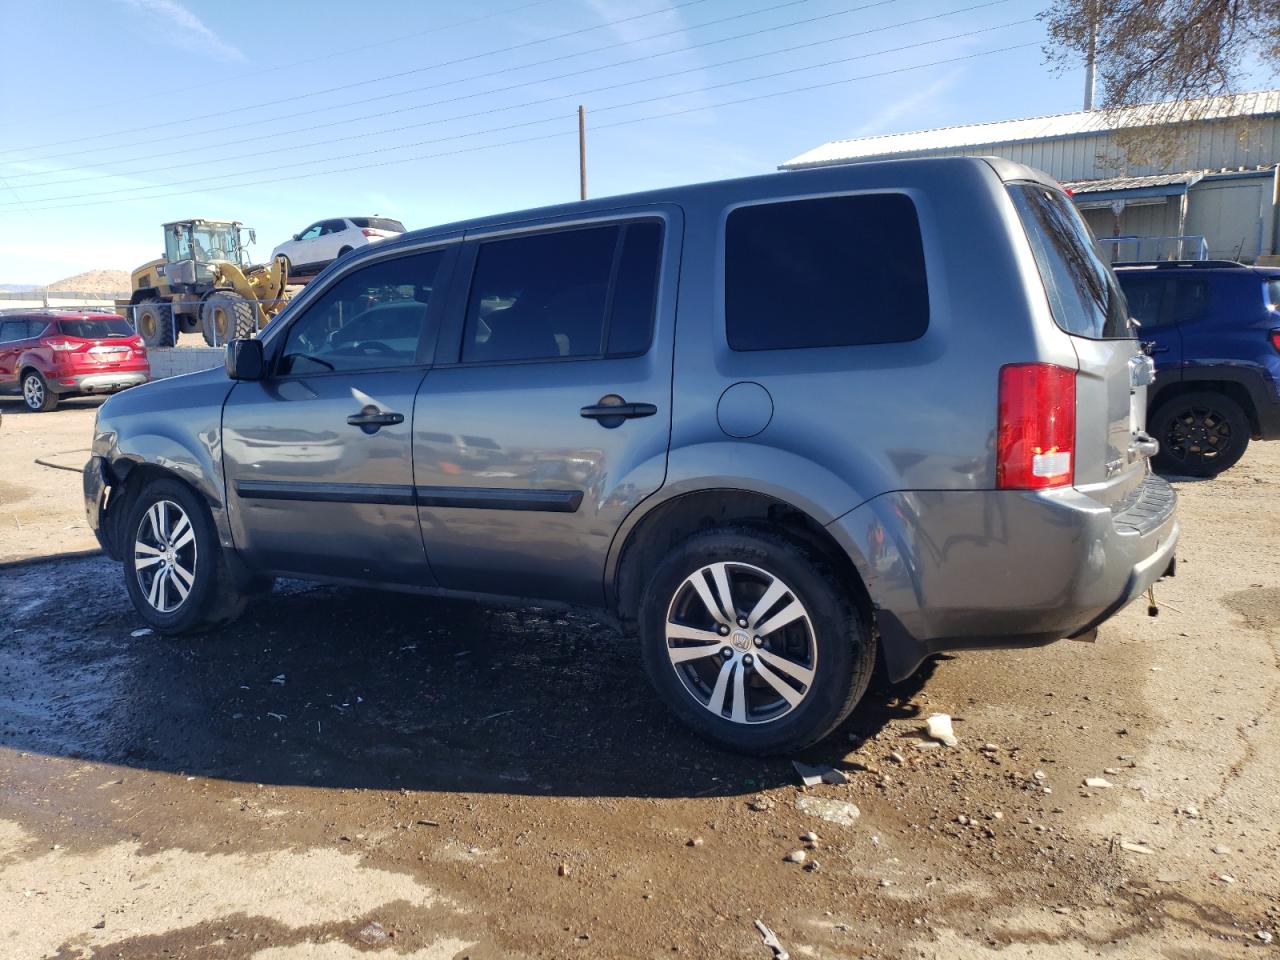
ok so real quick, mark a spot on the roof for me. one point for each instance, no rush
(972, 135)
(1134, 183)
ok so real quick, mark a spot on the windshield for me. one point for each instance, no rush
(203, 242)
(95, 328)
(1083, 294)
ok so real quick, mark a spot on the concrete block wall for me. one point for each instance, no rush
(174, 361)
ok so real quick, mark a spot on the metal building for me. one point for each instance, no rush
(1190, 179)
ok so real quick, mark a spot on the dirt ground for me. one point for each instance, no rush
(345, 774)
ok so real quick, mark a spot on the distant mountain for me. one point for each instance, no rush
(17, 287)
(93, 281)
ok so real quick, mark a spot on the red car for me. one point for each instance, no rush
(49, 354)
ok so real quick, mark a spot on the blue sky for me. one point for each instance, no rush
(118, 115)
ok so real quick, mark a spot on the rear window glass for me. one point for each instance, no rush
(826, 272)
(378, 223)
(1083, 294)
(95, 328)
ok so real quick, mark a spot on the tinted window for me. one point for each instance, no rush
(12, 330)
(1083, 295)
(95, 328)
(1145, 295)
(1189, 299)
(378, 223)
(635, 289)
(1272, 294)
(373, 317)
(555, 295)
(833, 271)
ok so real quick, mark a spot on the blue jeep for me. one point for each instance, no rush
(1213, 327)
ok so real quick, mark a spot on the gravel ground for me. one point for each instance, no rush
(345, 774)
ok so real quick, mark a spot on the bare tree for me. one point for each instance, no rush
(1151, 51)
(1163, 61)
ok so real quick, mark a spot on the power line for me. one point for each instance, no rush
(596, 110)
(569, 130)
(376, 133)
(316, 59)
(273, 134)
(390, 76)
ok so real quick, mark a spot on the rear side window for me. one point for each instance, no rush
(1188, 299)
(378, 223)
(1272, 294)
(826, 272)
(1083, 294)
(11, 330)
(95, 328)
(572, 293)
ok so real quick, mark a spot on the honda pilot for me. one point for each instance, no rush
(775, 426)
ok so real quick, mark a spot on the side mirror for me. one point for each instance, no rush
(253, 235)
(297, 236)
(244, 360)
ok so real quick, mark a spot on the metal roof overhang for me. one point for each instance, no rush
(1140, 191)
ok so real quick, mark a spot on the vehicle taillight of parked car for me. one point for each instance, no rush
(1036, 433)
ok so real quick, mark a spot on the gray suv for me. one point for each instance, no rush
(773, 425)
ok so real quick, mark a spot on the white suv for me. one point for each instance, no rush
(326, 240)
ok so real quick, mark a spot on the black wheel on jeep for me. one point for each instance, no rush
(753, 640)
(174, 568)
(1201, 434)
(153, 319)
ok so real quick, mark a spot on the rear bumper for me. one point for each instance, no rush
(108, 382)
(963, 569)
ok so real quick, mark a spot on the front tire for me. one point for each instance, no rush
(225, 315)
(753, 640)
(36, 395)
(174, 568)
(1201, 434)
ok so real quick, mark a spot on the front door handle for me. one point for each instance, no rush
(612, 410)
(371, 419)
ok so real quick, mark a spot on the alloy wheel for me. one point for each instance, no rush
(741, 642)
(1198, 435)
(33, 392)
(164, 556)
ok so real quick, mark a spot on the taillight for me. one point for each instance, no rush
(1275, 339)
(62, 346)
(370, 233)
(1036, 432)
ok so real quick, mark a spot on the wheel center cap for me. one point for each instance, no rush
(741, 641)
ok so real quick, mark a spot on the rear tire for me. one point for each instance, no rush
(36, 395)
(814, 644)
(153, 319)
(169, 536)
(1201, 434)
(225, 315)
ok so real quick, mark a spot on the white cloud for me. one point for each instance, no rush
(190, 32)
(878, 122)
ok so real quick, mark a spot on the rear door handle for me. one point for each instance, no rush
(371, 419)
(612, 410)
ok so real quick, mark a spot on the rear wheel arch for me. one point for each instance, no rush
(1232, 389)
(667, 524)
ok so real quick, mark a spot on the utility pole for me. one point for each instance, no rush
(582, 154)
(1090, 69)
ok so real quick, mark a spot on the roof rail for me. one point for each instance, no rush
(1182, 264)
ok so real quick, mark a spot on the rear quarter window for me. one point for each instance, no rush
(825, 272)
(1083, 294)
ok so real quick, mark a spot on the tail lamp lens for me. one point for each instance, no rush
(1275, 339)
(1036, 433)
(62, 346)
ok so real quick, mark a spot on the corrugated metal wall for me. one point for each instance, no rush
(1239, 142)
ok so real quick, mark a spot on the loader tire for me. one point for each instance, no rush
(153, 319)
(225, 316)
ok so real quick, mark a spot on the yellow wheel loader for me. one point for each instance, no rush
(205, 282)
